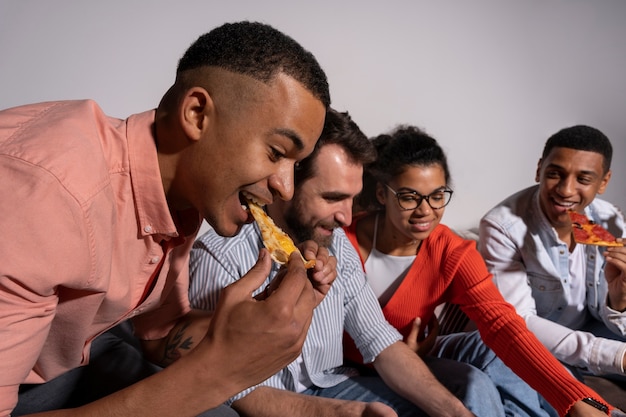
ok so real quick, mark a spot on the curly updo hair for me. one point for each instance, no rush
(406, 146)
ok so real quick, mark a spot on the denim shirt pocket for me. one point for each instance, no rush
(547, 292)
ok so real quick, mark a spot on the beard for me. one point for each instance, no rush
(302, 231)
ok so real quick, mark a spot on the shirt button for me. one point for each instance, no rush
(592, 257)
(154, 259)
(562, 252)
(147, 229)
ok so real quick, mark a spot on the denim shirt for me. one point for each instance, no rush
(530, 267)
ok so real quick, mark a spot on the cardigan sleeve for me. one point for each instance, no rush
(505, 332)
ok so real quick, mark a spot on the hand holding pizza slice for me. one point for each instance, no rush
(275, 240)
(587, 232)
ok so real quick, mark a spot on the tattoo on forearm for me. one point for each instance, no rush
(177, 342)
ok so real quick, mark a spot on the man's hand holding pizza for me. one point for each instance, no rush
(587, 232)
(615, 274)
(324, 273)
(321, 275)
(322, 268)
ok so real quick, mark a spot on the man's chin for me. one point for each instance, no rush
(324, 241)
(230, 231)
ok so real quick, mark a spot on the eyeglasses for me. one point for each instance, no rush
(410, 200)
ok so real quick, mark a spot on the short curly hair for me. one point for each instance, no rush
(259, 51)
(582, 138)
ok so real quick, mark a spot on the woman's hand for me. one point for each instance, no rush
(422, 348)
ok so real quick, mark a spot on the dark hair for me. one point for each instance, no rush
(259, 51)
(404, 147)
(582, 138)
(338, 129)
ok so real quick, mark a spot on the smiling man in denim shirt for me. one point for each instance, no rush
(572, 296)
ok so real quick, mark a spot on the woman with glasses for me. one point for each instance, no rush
(414, 263)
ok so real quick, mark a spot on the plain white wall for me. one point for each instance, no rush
(490, 79)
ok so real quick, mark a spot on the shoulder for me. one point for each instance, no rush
(342, 247)
(349, 268)
(603, 208)
(70, 141)
(513, 208)
(446, 240)
(445, 247)
(608, 215)
(514, 217)
(51, 119)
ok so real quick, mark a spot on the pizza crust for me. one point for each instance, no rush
(275, 240)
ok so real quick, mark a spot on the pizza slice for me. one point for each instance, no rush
(275, 240)
(588, 232)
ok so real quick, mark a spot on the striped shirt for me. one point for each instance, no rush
(349, 305)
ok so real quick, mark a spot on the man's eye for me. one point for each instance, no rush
(552, 174)
(584, 180)
(276, 155)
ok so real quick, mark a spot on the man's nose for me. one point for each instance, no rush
(282, 182)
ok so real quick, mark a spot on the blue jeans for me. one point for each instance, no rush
(470, 385)
(517, 397)
(116, 362)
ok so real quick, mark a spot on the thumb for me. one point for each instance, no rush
(411, 340)
(255, 277)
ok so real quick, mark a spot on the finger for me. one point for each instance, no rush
(310, 250)
(616, 249)
(293, 282)
(617, 258)
(326, 275)
(411, 340)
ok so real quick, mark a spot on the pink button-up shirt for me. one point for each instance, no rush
(83, 216)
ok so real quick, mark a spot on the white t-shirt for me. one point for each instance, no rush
(575, 313)
(384, 272)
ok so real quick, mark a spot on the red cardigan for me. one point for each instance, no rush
(448, 268)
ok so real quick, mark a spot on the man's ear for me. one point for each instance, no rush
(195, 111)
(604, 182)
(538, 173)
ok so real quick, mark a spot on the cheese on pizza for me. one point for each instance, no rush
(275, 240)
(587, 232)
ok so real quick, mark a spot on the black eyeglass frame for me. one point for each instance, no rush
(419, 198)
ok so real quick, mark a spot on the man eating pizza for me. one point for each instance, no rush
(572, 294)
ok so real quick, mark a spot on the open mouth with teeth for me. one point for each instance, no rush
(277, 242)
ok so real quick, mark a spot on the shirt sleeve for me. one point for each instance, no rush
(44, 245)
(364, 319)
